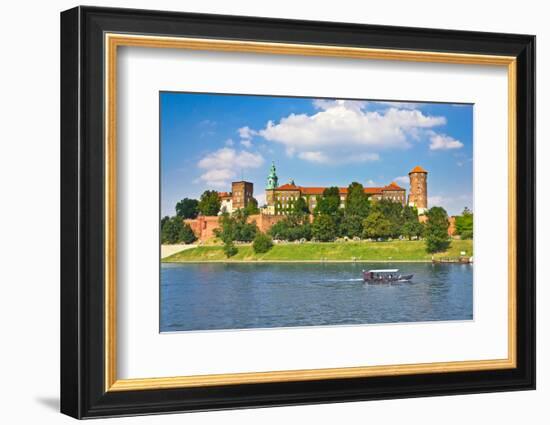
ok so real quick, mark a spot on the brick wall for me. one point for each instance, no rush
(203, 226)
(265, 221)
(452, 228)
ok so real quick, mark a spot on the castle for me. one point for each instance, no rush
(280, 199)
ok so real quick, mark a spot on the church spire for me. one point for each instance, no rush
(272, 179)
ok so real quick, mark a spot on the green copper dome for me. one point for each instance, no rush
(272, 179)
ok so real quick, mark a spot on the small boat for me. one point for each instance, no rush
(385, 276)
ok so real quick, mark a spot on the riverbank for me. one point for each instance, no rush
(168, 250)
(394, 251)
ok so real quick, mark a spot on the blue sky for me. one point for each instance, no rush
(209, 140)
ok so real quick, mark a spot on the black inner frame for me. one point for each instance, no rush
(82, 209)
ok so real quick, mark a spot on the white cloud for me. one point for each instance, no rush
(223, 165)
(401, 180)
(246, 143)
(401, 105)
(314, 156)
(322, 158)
(324, 104)
(246, 132)
(371, 183)
(216, 178)
(229, 142)
(444, 142)
(342, 131)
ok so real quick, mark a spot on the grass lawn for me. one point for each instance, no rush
(328, 251)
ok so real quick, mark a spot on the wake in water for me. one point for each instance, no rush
(338, 280)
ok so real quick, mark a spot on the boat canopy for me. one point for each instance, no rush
(384, 271)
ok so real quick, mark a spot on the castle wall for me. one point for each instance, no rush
(203, 226)
(452, 226)
(265, 221)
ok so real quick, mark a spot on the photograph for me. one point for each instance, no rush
(281, 212)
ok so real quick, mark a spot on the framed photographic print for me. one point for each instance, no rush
(261, 212)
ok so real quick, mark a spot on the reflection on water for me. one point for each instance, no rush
(242, 296)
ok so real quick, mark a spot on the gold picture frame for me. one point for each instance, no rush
(114, 41)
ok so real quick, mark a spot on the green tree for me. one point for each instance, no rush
(324, 228)
(436, 232)
(230, 249)
(412, 228)
(236, 227)
(226, 230)
(186, 234)
(170, 231)
(410, 225)
(376, 225)
(174, 230)
(163, 220)
(244, 231)
(351, 226)
(393, 212)
(262, 243)
(187, 208)
(300, 207)
(252, 207)
(209, 203)
(291, 228)
(464, 224)
(357, 201)
(409, 213)
(329, 203)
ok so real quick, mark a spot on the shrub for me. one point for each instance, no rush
(230, 249)
(464, 224)
(174, 230)
(262, 243)
(437, 238)
(210, 203)
(376, 226)
(186, 234)
(351, 226)
(291, 229)
(187, 208)
(235, 228)
(324, 228)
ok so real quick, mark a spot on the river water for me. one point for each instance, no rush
(243, 296)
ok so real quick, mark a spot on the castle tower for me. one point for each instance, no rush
(272, 184)
(242, 193)
(418, 193)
